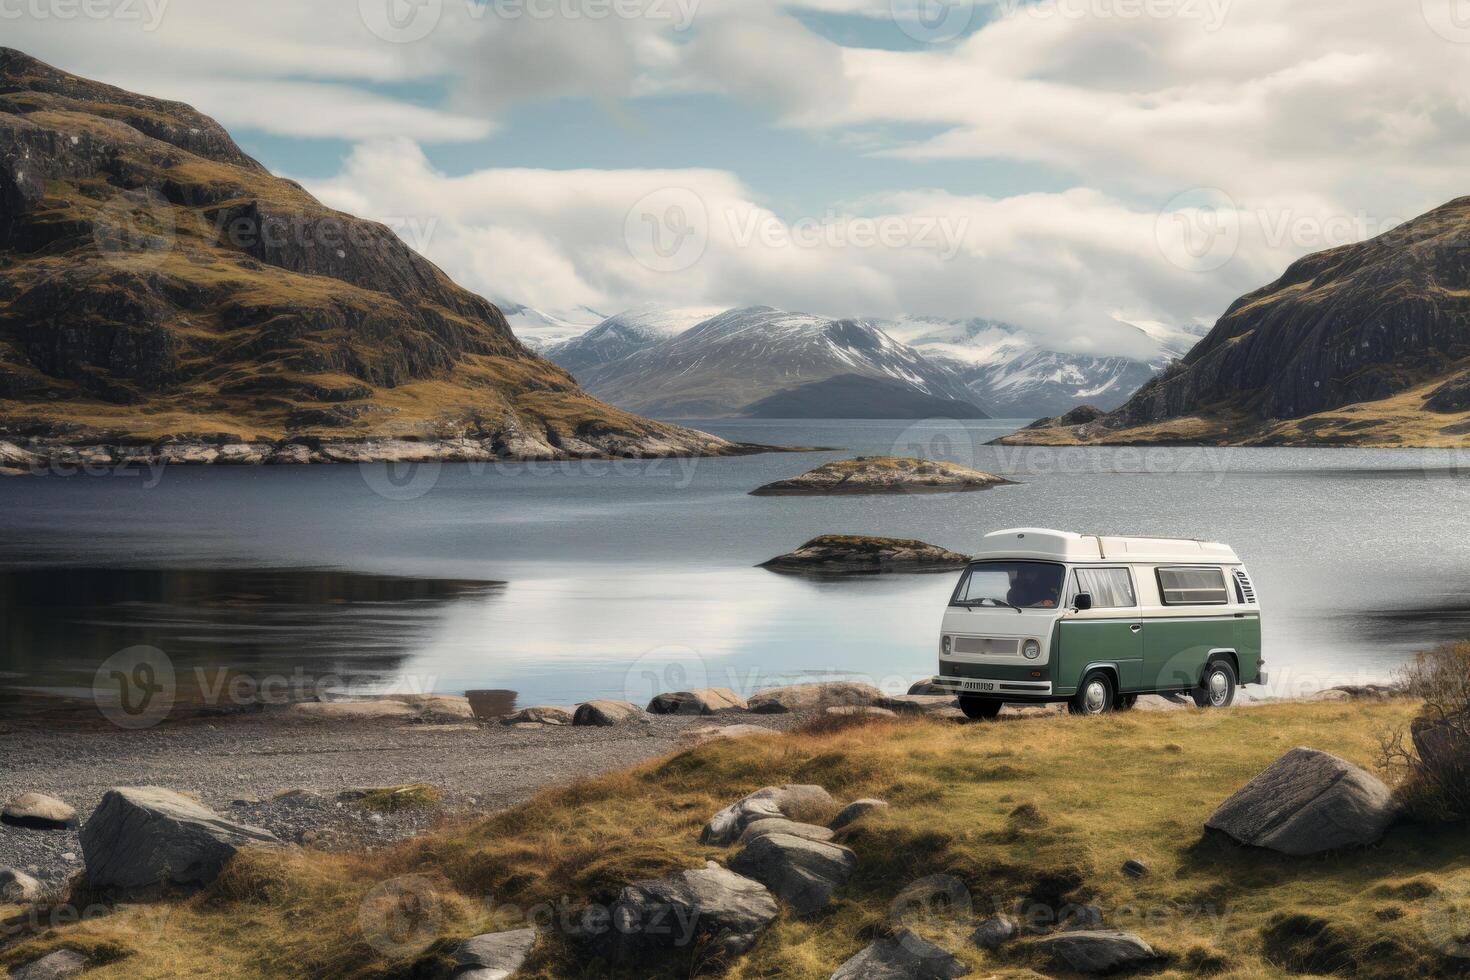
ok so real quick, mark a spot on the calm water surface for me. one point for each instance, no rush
(570, 581)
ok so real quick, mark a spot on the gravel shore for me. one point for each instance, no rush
(286, 777)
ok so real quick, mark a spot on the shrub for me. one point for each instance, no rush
(1431, 759)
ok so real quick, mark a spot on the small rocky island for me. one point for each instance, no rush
(883, 474)
(859, 554)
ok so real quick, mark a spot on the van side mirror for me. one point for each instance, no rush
(1082, 602)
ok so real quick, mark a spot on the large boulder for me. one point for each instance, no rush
(703, 701)
(540, 714)
(19, 888)
(145, 839)
(805, 697)
(710, 905)
(1307, 802)
(1096, 951)
(792, 801)
(902, 956)
(37, 811)
(780, 825)
(803, 872)
(493, 956)
(604, 713)
(59, 965)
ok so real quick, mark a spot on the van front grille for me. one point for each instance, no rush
(987, 646)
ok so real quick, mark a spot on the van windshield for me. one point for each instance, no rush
(1017, 584)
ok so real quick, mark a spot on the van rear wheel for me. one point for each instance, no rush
(1094, 695)
(979, 708)
(1217, 690)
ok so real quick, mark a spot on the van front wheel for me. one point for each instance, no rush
(1218, 688)
(979, 708)
(1094, 696)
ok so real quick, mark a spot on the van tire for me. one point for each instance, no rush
(980, 708)
(1094, 695)
(1217, 688)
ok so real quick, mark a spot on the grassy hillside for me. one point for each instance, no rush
(1038, 811)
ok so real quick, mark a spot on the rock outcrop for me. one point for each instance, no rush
(710, 905)
(780, 825)
(493, 956)
(855, 811)
(1308, 802)
(804, 697)
(802, 872)
(143, 840)
(855, 554)
(37, 811)
(19, 888)
(603, 713)
(165, 298)
(903, 956)
(60, 965)
(1096, 951)
(883, 474)
(540, 714)
(704, 701)
(794, 802)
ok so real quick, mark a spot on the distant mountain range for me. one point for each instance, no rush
(699, 363)
(1365, 345)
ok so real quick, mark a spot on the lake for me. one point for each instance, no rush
(567, 581)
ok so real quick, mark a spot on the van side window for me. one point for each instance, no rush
(1193, 587)
(1110, 588)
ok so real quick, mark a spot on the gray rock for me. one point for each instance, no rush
(792, 801)
(1134, 868)
(780, 825)
(37, 811)
(605, 713)
(919, 704)
(145, 839)
(540, 714)
(1096, 951)
(799, 697)
(1307, 802)
(493, 956)
(19, 888)
(53, 966)
(856, 809)
(902, 956)
(704, 701)
(803, 872)
(712, 906)
(995, 932)
(927, 688)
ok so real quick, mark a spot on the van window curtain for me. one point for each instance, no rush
(1109, 587)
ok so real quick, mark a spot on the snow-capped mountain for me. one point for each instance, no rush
(540, 329)
(626, 333)
(1015, 375)
(726, 364)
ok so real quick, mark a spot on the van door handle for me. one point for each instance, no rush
(1136, 627)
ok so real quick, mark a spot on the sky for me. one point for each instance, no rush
(1064, 165)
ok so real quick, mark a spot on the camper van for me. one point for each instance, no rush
(1095, 621)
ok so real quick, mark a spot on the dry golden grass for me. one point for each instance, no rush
(1031, 810)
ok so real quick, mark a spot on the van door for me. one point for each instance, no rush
(1194, 602)
(1111, 632)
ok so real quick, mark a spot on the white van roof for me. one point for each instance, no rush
(1040, 542)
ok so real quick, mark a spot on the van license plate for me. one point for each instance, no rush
(979, 685)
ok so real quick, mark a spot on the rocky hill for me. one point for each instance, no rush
(157, 285)
(1367, 344)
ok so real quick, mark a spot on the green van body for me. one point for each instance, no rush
(1182, 607)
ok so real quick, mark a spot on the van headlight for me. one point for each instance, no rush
(1031, 649)
(944, 645)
